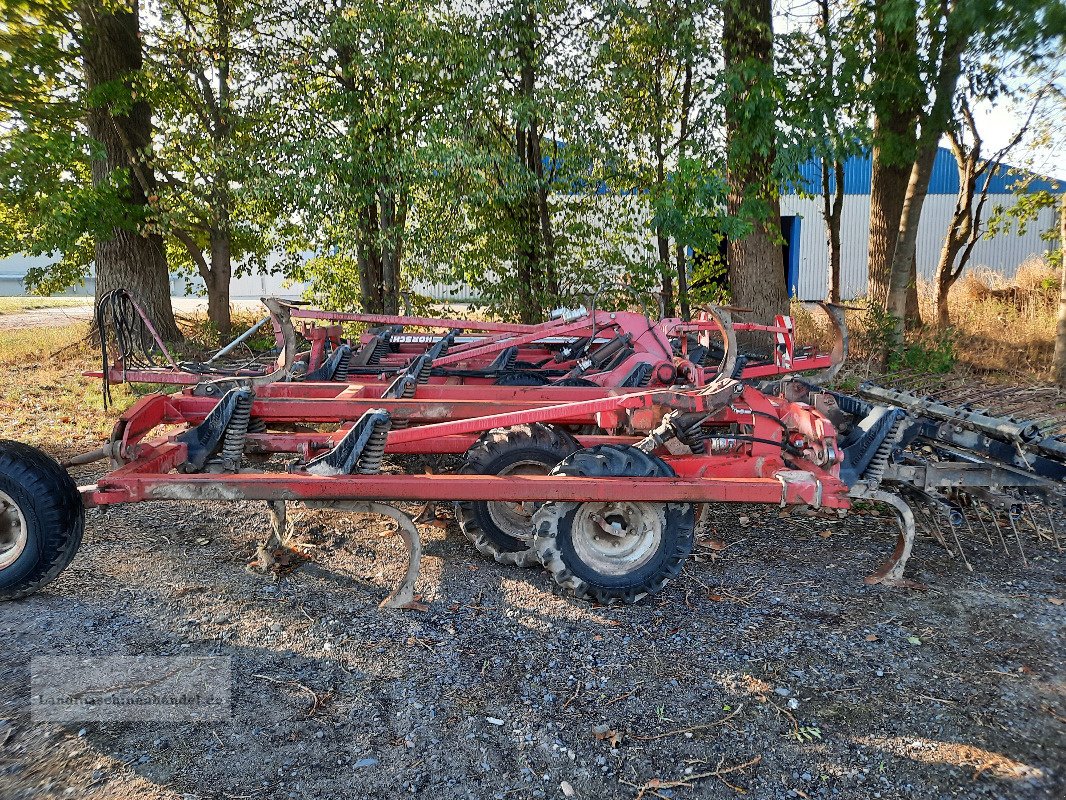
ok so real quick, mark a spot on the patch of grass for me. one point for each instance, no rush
(45, 400)
(16, 305)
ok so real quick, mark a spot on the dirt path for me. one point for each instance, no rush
(769, 667)
(46, 317)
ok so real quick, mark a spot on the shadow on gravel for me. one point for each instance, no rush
(767, 668)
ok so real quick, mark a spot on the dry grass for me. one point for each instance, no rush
(44, 400)
(1003, 329)
(1004, 326)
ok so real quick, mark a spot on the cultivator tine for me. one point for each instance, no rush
(1017, 536)
(1054, 530)
(891, 572)
(403, 594)
(999, 530)
(955, 534)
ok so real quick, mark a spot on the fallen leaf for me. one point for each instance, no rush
(744, 521)
(871, 637)
(414, 605)
(1056, 601)
(611, 736)
(914, 640)
(713, 544)
(825, 534)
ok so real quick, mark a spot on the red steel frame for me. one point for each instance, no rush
(477, 354)
(755, 472)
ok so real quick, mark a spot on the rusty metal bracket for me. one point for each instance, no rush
(891, 572)
(839, 354)
(404, 593)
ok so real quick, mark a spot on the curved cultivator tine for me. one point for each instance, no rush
(839, 353)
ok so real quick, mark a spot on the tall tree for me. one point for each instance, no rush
(836, 68)
(369, 88)
(78, 138)
(656, 64)
(210, 143)
(118, 117)
(896, 96)
(756, 267)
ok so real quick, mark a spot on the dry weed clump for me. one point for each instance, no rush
(1004, 324)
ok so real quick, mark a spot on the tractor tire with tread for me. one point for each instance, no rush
(520, 449)
(587, 562)
(42, 520)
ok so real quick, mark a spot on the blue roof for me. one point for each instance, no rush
(944, 180)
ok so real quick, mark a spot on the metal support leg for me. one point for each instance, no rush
(891, 572)
(404, 593)
(280, 532)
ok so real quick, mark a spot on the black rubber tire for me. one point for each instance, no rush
(54, 518)
(520, 379)
(492, 454)
(553, 524)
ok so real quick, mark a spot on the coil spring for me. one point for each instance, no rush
(876, 469)
(381, 349)
(236, 430)
(695, 438)
(256, 425)
(369, 461)
(423, 375)
(341, 373)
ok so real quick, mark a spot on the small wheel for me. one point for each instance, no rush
(41, 520)
(499, 529)
(617, 551)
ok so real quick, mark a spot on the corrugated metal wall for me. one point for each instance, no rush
(1003, 254)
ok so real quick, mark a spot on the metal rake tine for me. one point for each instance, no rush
(999, 531)
(1018, 536)
(1032, 519)
(1054, 530)
(955, 534)
(984, 527)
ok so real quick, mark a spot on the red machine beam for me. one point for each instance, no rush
(131, 487)
(414, 322)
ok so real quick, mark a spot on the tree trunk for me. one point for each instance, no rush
(218, 305)
(903, 273)
(756, 265)
(832, 210)
(666, 273)
(682, 281)
(130, 259)
(368, 255)
(897, 96)
(888, 189)
(1059, 361)
(943, 281)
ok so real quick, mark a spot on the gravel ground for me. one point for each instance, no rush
(768, 668)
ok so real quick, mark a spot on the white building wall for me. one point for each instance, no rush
(1004, 253)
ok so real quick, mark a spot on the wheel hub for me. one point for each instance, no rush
(13, 531)
(618, 538)
(516, 519)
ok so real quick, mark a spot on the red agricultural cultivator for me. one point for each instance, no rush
(590, 441)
